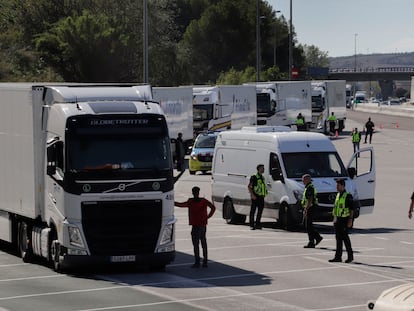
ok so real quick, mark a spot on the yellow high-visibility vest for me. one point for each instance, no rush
(340, 209)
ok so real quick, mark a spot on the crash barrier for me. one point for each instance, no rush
(405, 110)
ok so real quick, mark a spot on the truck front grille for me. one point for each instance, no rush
(122, 227)
(327, 198)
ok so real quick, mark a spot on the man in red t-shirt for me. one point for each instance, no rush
(197, 214)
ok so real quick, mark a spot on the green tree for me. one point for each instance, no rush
(222, 38)
(87, 48)
(314, 57)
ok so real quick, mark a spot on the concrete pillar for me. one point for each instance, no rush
(387, 88)
(412, 90)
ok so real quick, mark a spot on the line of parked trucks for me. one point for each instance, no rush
(87, 169)
(278, 103)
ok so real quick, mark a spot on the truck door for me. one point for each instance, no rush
(361, 169)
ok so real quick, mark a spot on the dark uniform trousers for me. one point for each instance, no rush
(259, 204)
(341, 235)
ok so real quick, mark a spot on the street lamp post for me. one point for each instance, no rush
(275, 41)
(290, 43)
(145, 41)
(355, 51)
(258, 58)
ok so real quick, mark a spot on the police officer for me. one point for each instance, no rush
(332, 123)
(309, 204)
(300, 122)
(257, 189)
(356, 138)
(343, 213)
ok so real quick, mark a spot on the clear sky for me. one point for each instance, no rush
(382, 26)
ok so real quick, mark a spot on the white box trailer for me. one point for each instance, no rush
(280, 102)
(328, 96)
(177, 104)
(223, 107)
(287, 155)
(86, 174)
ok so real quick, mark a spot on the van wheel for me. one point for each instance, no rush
(24, 245)
(285, 217)
(230, 215)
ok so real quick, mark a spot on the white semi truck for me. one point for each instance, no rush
(280, 102)
(223, 107)
(86, 174)
(328, 96)
(177, 104)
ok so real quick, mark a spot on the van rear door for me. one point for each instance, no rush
(362, 166)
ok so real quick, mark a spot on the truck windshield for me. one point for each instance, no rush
(264, 104)
(317, 164)
(202, 112)
(317, 103)
(117, 144)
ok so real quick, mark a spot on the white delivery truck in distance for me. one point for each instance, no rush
(86, 174)
(280, 102)
(328, 96)
(287, 156)
(177, 104)
(223, 107)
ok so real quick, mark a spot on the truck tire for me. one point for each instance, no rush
(192, 172)
(230, 215)
(23, 241)
(54, 252)
(285, 217)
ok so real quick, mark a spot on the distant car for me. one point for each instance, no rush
(201, 156)
(393, 102)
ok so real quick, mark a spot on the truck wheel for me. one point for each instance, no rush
(230, 215)
(24, 245)
(54, 253)
(285, 217)
(192, 172)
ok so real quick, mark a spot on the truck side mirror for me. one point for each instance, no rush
(51, 160)
(352, 172)
(54, 157)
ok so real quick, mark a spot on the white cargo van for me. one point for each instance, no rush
(287, 155)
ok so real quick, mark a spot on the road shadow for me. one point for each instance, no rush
(178, 274)
(376, 266)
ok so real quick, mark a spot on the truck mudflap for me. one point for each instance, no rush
(156, 260)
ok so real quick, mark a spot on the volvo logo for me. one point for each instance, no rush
(86, 188)
(156, 186)
(121, 187)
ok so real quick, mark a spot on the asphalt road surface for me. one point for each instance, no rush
(251, 270)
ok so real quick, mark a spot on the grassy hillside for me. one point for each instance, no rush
(373, 60)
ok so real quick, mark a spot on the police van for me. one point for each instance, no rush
(287, 155)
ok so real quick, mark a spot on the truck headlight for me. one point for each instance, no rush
(167, 234)
(75, 237)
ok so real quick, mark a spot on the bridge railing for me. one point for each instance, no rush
(371, 69)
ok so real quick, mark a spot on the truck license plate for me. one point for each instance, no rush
(126, 258)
